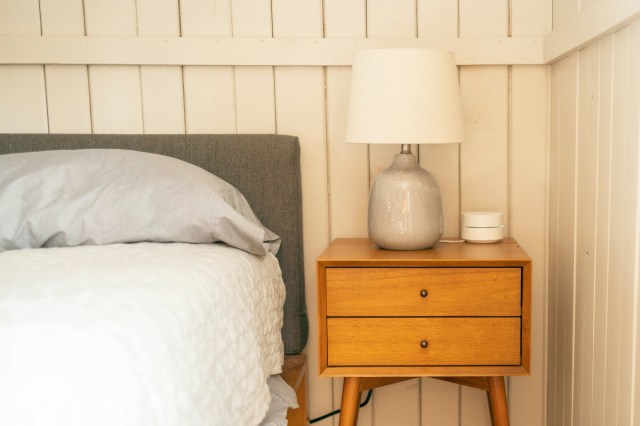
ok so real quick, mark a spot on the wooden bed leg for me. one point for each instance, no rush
(350, 401)
(294, 372)
(498, 401)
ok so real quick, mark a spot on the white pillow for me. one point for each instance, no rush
(106, 196)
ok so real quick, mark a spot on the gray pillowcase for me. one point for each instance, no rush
(106, 196)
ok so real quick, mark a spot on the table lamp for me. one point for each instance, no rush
(405, 96)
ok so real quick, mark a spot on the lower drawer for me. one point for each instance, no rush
(423, 341)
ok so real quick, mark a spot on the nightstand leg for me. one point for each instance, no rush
(498, 401)
(350, 401)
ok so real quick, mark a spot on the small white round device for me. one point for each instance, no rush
(482, 227)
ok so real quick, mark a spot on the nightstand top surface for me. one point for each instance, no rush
(362, 252)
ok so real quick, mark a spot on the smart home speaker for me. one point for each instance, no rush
(482, 227)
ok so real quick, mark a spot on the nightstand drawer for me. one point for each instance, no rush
(400, 341)
(423, 291)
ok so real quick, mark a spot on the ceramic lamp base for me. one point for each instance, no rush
(405, 206)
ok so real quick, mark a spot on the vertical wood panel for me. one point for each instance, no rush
(115, 17)
(209, 92)
(398, 404)
(437, 18)
(116, 106)
(115, 93)
(205, 18)
(62, 17)
(484, 97)
(566, 277)
(624, 194)
(635, 94)
(440, 403)
(255, 105)
(255, 97)
(530, 18)
(158, 18)
(300, 111)
(585, 232)
(391, 18)
(482, 19)
(615, 314)
(297, 18)
(348, 163)
(68, 99)
(562, 241)
(23, 106)
(563, 10)
(552, 295)
(22, 87)
(528, 166)
(162, 99)
(474, 410)
(19, 17)
(251, 18)
(345, 18)
(162, 88)
(67, 86)
(209, 99)
(602, 228)
(631, 226)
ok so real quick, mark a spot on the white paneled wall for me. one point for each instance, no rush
(502, 166)
(594, 374)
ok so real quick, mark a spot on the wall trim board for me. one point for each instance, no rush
(594, 22)
(117, 50)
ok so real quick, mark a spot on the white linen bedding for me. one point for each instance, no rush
(138, 334)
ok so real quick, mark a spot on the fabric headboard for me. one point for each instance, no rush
(265, 168)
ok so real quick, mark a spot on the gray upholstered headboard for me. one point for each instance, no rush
(265, 168)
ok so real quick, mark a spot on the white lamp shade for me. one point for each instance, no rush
(404, 96)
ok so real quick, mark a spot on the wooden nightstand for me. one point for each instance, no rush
(459, 312)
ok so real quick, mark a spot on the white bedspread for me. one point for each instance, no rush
(139, 334)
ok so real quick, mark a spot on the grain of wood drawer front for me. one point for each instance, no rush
(397, 341)
(449, 291)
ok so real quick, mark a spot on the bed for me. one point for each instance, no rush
(164, 316)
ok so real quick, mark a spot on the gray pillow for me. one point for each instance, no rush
(106, 196)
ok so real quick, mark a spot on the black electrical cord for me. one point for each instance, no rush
(333, 413)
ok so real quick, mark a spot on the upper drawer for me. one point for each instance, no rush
(423, 291)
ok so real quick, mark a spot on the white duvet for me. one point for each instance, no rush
(138, 334)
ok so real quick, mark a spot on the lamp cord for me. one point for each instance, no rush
(333, 413)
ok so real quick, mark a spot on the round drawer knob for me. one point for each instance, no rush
(424, 293)
(424, 344)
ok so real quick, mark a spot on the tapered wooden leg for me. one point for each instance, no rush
(350, 401)
(498, 401)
